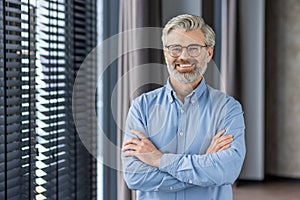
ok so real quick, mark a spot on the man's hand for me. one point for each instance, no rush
(219, 142)
(143, 149)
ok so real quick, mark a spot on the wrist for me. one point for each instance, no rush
(158, 159)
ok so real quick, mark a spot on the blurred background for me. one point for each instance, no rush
(70, 68)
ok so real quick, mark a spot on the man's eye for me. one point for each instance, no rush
(193, 48)
(177, 49)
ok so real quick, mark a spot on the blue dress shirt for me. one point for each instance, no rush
(183, 132)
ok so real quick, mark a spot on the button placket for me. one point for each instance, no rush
(181, 134)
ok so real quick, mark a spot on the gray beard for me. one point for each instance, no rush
(188, 77)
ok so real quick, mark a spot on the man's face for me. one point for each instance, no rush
(186, 68)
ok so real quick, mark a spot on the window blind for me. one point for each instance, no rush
(17, 109)
(85, 39)
(42, 44)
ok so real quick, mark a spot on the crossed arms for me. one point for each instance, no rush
(148, 169)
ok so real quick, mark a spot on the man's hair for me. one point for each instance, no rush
(188, 22)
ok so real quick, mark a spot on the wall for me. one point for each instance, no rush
(283, 88)
(171, 8)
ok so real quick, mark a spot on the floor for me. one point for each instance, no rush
(271, 189)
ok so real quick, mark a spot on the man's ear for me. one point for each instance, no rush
(210, 53)
(165, 55)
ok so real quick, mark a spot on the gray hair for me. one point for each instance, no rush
(189, 23)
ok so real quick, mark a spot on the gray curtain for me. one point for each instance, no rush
(230, 68)
(282, 88)
(222, 16)
(239, 57)
(136, 65)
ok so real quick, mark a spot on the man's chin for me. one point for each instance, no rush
(185, 78)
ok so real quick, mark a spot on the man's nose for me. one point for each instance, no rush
(184, 54)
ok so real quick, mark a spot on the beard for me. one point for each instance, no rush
(188, 77)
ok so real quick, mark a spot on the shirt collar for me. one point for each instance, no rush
(170, 91)
(195, 94)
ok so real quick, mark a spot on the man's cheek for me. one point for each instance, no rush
(167, 60)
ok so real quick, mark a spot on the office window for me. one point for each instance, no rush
(42, 44)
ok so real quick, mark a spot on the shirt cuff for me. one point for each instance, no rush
(169, 162)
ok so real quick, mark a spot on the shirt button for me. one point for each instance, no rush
(171, 188)
(190, 181)
(181, 133)
(193, 101)
(182, 111)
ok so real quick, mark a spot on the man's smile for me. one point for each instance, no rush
(184, 67)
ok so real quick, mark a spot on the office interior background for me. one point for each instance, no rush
(56, 113)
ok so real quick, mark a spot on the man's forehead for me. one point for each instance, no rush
(179, 35)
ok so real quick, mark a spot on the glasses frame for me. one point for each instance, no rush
(182, 47)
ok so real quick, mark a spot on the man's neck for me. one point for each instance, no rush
(183, 89)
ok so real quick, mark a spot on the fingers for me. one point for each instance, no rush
(129, 147)
(219, 137)
(220, 142)
(129, 153)
(224, 143)
(131, 141)
(219, 134)
(139, 134)
(134, 144)
(135, 141)
(225, 147)
(133, 147)
(225, 138)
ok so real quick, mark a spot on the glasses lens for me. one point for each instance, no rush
(175, 51)
(194, 50)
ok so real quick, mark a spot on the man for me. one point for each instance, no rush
(184, 140)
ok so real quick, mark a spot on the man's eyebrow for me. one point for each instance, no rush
(184, 45)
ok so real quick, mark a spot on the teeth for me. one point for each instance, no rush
(184, 65)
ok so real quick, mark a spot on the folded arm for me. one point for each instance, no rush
(221, 165)
(137, 174)
(214, 169)
(143, 177)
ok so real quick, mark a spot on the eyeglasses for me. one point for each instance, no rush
(193, 50)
